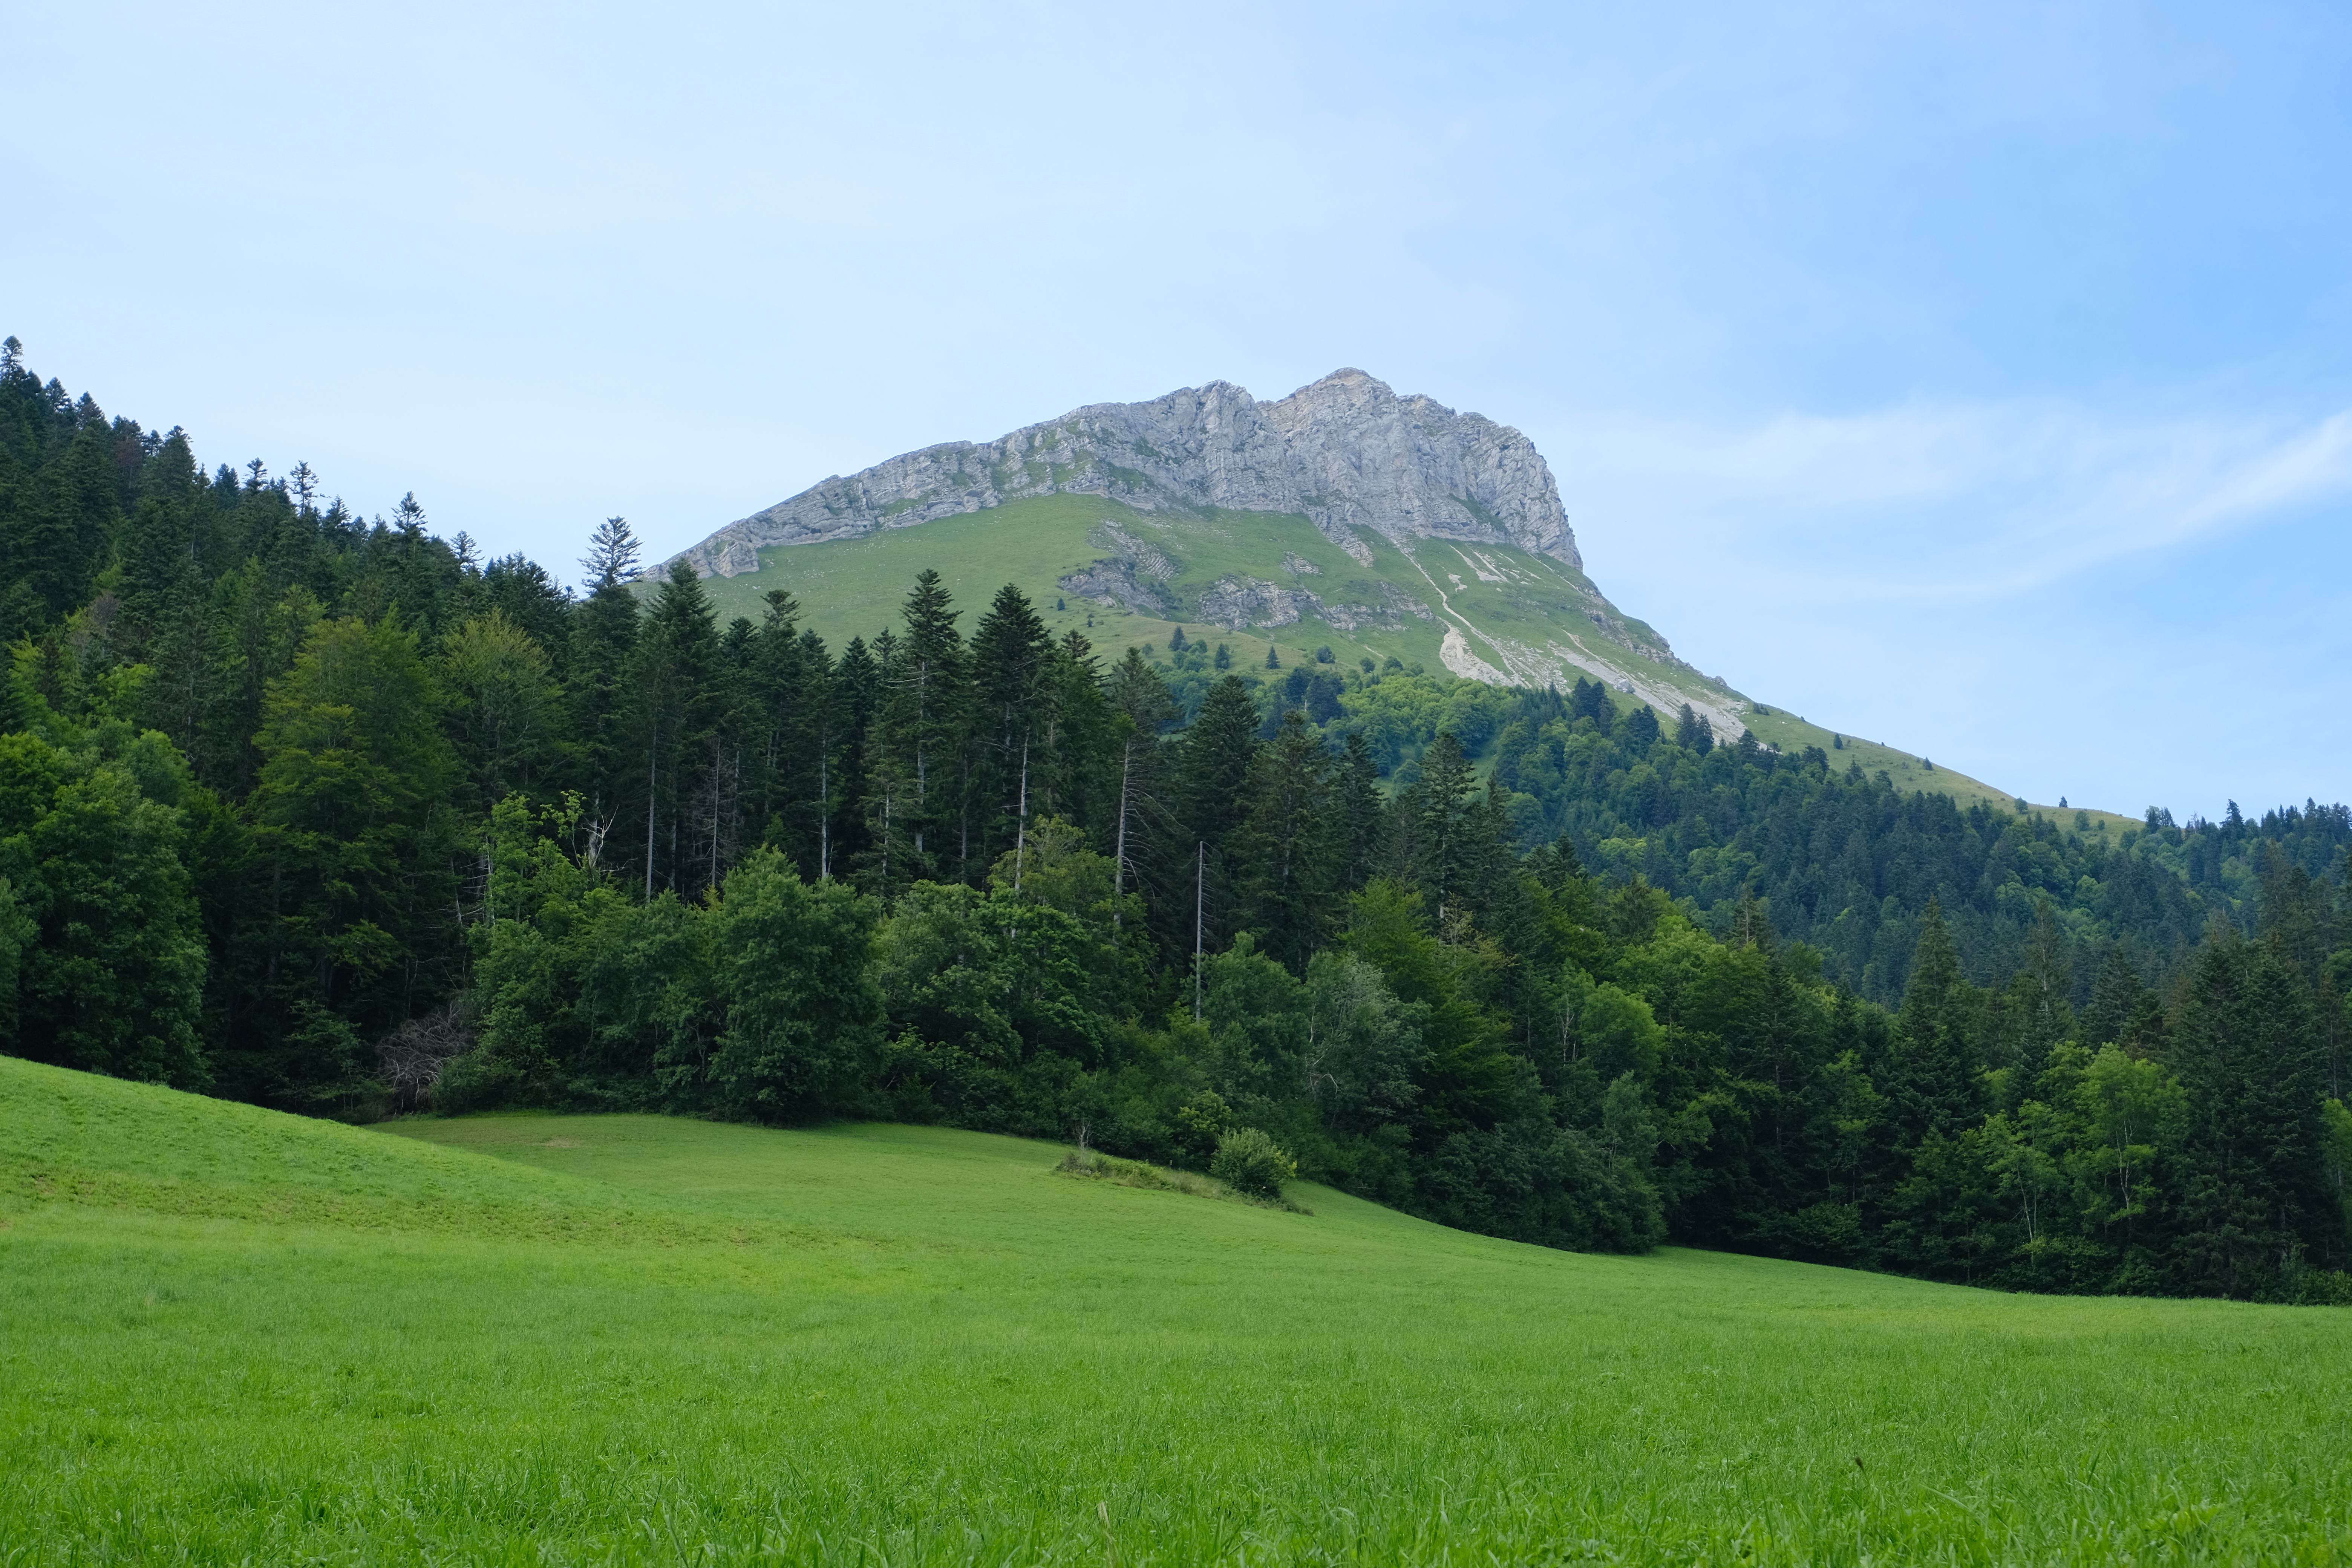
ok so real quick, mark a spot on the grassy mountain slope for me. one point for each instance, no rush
(1496, 599)
(1513, 615)
(909, 1345)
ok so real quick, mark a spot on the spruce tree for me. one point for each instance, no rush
(1013, 695)
(2116, 1005)
(1141, 711)
(1449, 847)
(1078, 783)
(788, 750)
(1936, 1065)
(2252, 1205)
(1288, 848)
(604, 646)
(1356, 785)
(1212, 770)
(674, 699)
(856, 696)
(916, 756)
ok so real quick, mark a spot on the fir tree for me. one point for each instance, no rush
(916, 756)
(1141, 712)
(1013, 696)
(604, 647)
(2253, 1205)
(1936, 1065)
(673, 707)
(1212, 770)
(1287, 848)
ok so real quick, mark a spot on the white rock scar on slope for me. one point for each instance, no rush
(1455, 655)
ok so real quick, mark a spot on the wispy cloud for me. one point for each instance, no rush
(1951, 502)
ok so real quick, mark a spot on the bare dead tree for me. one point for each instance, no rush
(417, 1053)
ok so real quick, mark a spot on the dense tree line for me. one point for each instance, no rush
(331, 814)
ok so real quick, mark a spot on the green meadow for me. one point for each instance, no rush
(856, 586)
(229, 1335)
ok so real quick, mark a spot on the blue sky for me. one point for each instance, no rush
(1977, 378)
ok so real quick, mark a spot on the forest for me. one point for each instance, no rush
(333, 815)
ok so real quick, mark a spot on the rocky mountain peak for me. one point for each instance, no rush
(1345, 451)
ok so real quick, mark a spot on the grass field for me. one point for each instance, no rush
(231, 1336)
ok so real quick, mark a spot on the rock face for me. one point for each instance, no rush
(1346, 452)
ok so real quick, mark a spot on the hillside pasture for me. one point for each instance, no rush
(229, 1335)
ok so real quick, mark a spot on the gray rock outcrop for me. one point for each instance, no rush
(1346, 452)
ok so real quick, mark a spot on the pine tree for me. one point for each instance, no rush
(521, 589)
(1141, 711)
(2298, 927)
(1356, 785)
(857, 698)
(673, 698)
(1935, 1065)
(915, 750)
(604, 647)
(55, 534)
(1212, 770)
(1013, 696)
(1077, 784)
(789, 745)
(1449, 849)
(2122, 1012)
(2253, 1202)
(1589, 699)
(1287, 844)
(161, 589)
(2050, 971)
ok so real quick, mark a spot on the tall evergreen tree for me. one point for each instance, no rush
(1447, 848)
(1013, 697)
(1356, 791)
(1935, 1065)
(674, 702)
(857, 698)
(916, 752)
(2253, 1206)
(604, 646)
(791, 740)
(1142, 711)
(1202, 855)
(1287, 850)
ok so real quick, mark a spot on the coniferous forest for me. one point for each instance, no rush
(329, 814)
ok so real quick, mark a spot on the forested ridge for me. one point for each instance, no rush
(331, 813)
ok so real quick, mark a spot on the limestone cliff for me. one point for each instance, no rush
(1346, 452)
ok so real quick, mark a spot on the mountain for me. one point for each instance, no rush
(1343, 517)
(1346, 453)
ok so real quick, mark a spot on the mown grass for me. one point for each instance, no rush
(883, 1344)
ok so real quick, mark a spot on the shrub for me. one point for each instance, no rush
(1201, 1127)
(1248, 1162)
